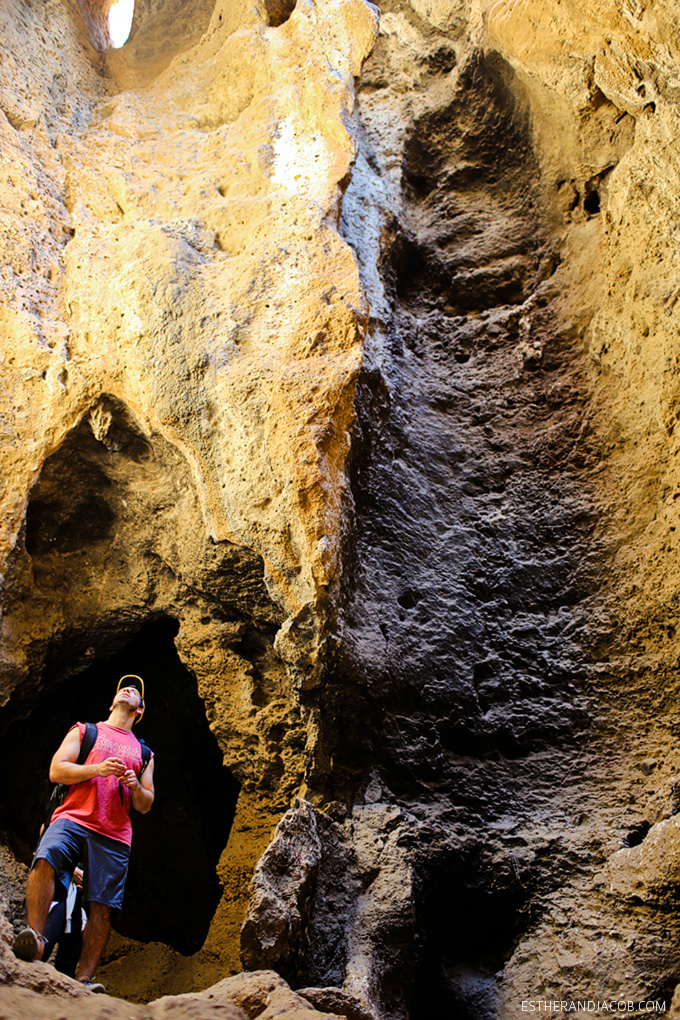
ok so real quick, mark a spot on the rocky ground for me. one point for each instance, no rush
(340, 392)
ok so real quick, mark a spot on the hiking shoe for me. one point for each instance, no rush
(29, 945)
(92, 986)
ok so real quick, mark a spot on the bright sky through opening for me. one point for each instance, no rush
(120, 22)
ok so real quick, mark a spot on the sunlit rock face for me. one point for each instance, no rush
(360, 419)
(243, 166)
(182, 330)
(120, 22)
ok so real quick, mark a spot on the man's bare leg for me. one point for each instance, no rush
(94, 940)
(28, 944)
(39, 894)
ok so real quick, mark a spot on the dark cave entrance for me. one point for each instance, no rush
(172, 889)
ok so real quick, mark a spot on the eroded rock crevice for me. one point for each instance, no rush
(159, 31)
(474, 509)
(483, 503)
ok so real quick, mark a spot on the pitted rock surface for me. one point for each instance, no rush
(356, 381)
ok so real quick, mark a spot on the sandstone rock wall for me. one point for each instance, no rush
(513, 612)
(378, 401)
(200, 220)
(181, 335)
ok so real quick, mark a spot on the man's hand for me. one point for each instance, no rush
(129, 778)
(113, 767)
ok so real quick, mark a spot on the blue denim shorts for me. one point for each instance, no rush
(65, 844)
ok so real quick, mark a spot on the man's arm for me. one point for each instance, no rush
(142, 789)
(63, 768)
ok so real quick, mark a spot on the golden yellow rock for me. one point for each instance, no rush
(183, 327)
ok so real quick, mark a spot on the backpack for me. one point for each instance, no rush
(86, 744)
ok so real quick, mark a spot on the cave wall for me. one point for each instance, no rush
(515, 591)
(378, 400)
(149, 304)
(153, 263)
(511, 604)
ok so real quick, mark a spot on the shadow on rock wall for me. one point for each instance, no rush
(474, 522)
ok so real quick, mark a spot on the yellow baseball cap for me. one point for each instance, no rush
(136, 681)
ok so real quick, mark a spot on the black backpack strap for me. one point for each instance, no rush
(146, 755)
(88, 742)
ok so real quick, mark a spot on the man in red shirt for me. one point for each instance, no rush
(92, 826)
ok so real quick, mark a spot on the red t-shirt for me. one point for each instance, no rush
(103, 803)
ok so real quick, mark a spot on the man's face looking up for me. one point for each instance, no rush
(129, 696)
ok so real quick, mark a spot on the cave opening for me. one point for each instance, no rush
(120, 22)
(139, 38)
(172, 889)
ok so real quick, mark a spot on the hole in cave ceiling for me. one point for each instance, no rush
(149, 33)
(172, 889)
(120, 22)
